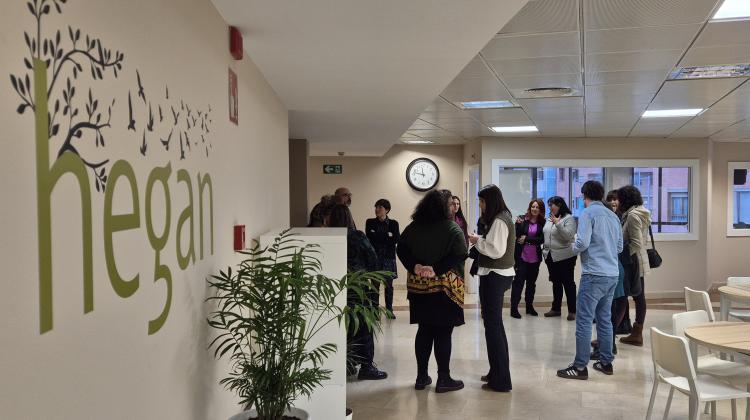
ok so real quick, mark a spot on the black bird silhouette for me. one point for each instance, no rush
(182, 105)
(209, 107)
(189, 112)
(203, 139)
(167, 89)
(141, 93)
(168, 140)
(187, 121)
(199, 113)
(187, 141)
(143, 146)
(175, 114)
(161, 115)
(131, 124)
(194, 121)
(182, 149)
(206, 151)
(150, 125)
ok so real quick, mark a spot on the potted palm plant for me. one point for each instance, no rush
(267, 310)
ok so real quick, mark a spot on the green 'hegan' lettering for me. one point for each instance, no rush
(46, 180)
(119, 222)
(187, 214)
(204, 182)
(159, 242)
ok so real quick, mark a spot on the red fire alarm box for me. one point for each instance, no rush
(239, 237)
(235, 43)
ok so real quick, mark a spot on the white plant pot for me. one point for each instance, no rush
(293, 412)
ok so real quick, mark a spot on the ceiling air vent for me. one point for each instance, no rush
(545, 92)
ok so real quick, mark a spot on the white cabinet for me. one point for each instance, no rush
(327, 402)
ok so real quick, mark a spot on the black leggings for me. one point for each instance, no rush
(619, 310)
(429, 336)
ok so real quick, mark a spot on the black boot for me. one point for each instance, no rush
(514, 312)
(448, 384)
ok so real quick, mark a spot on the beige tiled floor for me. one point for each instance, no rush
(538, 348)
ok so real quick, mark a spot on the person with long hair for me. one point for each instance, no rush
(383, 233)
(636, 223)
(559, 234)
(319, 211)
(529, 240)
(495, 258)
(619, 299)
(458, 217)
(360, 255)
(433, 251)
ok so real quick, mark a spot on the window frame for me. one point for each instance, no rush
(694, 191)
(731, 166)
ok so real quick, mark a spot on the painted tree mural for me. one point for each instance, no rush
(73, 56)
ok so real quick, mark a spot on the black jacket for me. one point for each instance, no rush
(378, 234)
(537, 240)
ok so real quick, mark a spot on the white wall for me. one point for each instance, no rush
(104, 363)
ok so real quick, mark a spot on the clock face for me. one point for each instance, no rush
(422, 174)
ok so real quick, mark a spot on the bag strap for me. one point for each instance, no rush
(651, 234)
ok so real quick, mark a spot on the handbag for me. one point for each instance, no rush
(654, 259)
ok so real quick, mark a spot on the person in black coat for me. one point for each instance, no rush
(383, 234)
(529, 240)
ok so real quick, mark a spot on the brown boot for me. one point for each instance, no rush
(636, 336)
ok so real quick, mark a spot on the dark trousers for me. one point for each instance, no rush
(492, 289)
(640, 304)
(525, 273)
(439, 337)
(619, 309)
(561, 274)
(388, 285)
(361, 344)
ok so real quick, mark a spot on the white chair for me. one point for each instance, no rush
(725, 370)
(674, 366)
(696, 300)
(741, 314)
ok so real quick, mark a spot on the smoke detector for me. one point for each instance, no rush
(545, 92)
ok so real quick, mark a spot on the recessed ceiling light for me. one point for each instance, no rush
(710, 72)
(733, 9)
(666, 113)
(418, 141)
(486, 104)
(516, 129)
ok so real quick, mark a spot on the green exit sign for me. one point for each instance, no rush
(332, 169)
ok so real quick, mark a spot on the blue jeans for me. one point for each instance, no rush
(594, 300)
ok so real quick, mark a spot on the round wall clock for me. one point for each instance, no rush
(422, 174)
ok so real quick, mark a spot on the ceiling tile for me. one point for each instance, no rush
(641, 39)
(543, 16)
(724, 33)
(605, 14)
(607, 131)
(531, 46)
(700, 129)
(489, 89)
(434, 133)
(653, 77)
(629, 61)
(717, 55)
(421, 125)
(476, 69)
(534, 66)
(507, 115)
(693, 93)
(660, 128)
(572, 81)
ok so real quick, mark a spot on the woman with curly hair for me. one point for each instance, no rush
(433, 251)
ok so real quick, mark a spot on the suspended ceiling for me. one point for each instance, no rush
(616, 55)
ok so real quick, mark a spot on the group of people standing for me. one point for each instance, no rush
(507, 253)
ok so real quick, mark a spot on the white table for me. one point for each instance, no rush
(729, 294)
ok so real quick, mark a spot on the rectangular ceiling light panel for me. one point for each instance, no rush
(487, 104)
(733, 10)
(418, 141)
(516, 129)
(667, 113)
(711, 72)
